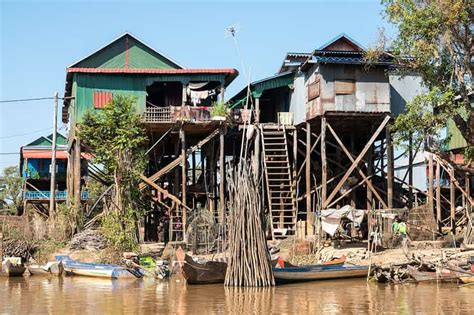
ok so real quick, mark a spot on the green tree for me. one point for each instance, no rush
(435, 40)
(11, 188)
(117, 139)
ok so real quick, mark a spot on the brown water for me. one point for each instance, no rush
(79, 295)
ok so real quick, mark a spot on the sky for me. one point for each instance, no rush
(39, 39)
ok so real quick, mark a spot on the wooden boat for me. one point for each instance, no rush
(197, 273)
(284, 264)
(318, 272)
(429, 276)
(466, 279)
(51, 268)
(12, 270)
(77, 268)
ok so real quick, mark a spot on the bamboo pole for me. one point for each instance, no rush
(309, 221)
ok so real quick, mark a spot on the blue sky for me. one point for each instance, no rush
(38, 40)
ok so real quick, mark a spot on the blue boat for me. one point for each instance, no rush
(110, 271)
(318, 272)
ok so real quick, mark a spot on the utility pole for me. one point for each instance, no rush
(52, 198)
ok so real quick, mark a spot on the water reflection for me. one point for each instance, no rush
(80, 295)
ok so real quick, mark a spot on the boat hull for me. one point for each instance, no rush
(53, 268)
(76, 268)
(10, 270)
(430, 276)
(197, 273)
(315, 273)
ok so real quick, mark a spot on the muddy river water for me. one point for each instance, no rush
(79, 295)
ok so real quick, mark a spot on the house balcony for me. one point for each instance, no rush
(46, 195)
(172, 114)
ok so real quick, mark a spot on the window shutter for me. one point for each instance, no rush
(313, 90)
(344, 86)
(102, 98)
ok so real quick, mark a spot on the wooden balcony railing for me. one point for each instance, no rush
(157, 115)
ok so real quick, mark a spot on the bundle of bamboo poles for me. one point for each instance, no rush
(249, 263)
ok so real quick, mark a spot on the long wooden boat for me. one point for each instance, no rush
(52, 268)
(318, 272)
(284, 264)
(77, 268)
(430, 276)
(12, 270)
(467, 279)
(197, 273)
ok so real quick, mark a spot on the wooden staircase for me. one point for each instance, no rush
(280, 184)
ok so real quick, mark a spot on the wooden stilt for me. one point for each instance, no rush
(356, 161)
(410, 173)
(184, 180)
(193, 159)
(257, 110)
(430, 182)
(388, 136)
(221, 176)
(438, 195)
(77, 176)
(353, 193)
(309, 212)
(370, 167)
(452, 200)
(324, 174)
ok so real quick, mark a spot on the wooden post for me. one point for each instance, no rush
(452, 199)
(353, 193)
(410, 173)
(438, 195)
(193, 158)
(389, 168)
(183, 179)
(467, 188)
(222, 176)
(324, 175)
(309, 215)
(369, 175)
(184, 94)
(77, 175)
(430, 182)
(257, 110)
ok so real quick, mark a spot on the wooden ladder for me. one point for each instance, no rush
(280, 184)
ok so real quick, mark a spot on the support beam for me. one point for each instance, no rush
(178, 160)
(184, 177)
(357, 160)
(222, 176)
(388, 136)
(257, 110)
(324, 171)
(309, 217)
(77, 175)
(438, 195)
(370, 169)
(452, 200)
(430, 182)
(410, 172)
(361, 173)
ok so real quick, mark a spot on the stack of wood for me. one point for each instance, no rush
(18, 248)
(249, 263)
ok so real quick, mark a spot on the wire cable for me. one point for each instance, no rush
(25, 134)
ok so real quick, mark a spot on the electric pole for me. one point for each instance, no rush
(52, 198)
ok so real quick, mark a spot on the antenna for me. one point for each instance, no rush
(232, 30)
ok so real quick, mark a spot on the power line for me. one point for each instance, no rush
(35, 99)
(9, 153)
(24, 134)
(27, 99)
